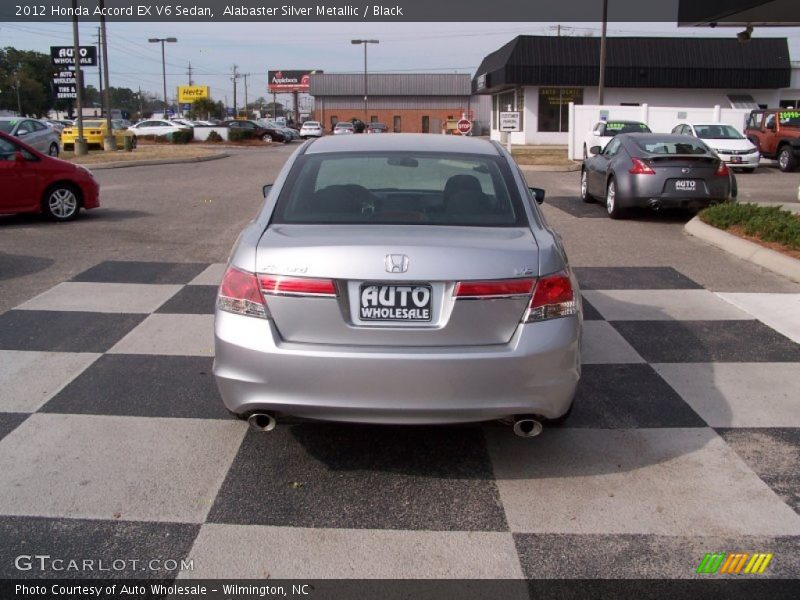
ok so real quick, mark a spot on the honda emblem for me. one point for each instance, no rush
(396, 263)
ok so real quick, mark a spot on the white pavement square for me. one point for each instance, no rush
(738, 394)
(212, 275)
(29, 379)
(170, 334)
(779, 311)
(103, 297)
(662, 305)
(660, 481)
(602, 344)
(259, 552)
(128, 468)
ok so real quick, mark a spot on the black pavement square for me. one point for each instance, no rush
(774, 455)
(363, 477)
(590, 313)
(707, 341)
(135, 543)
(10, 421)
(192, 300)
(628, 396)
(143, 386)
(118, 271)
(633, 278)
(644, 556)
(64, 331)
(578, 208)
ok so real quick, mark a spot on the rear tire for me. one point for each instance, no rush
(53, 150)
(585, 196)
(612, 207)
(266, 138)
(786, 159)
(61, 202)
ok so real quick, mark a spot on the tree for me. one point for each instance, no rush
(25, 81)
(206, 108)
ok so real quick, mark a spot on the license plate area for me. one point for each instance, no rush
(382, 302)
(685, 186)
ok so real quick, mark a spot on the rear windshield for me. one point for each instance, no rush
(400, 188)
(615, 127)
(687, 146)
(7, 126)
(717, 132)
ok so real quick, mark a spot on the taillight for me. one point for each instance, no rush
(552, 298)
(722, 170)
(278, 285)
(239, 293)
(494, 289)
(640, 167)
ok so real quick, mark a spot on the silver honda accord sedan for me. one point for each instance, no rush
(399, 279)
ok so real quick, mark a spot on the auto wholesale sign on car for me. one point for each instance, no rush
(289, 81)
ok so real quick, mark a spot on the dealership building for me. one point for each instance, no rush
(407, 103)
(539, 76)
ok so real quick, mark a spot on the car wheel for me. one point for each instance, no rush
(134, 143)
(786, 160)
(266, 138)
(585, 188)
(53, 150)
(614, 211)
(61, 202)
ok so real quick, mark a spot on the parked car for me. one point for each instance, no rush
(185, 122)
(343, 127)
(377, 128)
(655, 170)
(776, 134)
(288, 132)
(604, 131)
(95, 131)
(34, 133)
(33, 182)
(729, 144)
(311, 129)
(56, 126)
(156, 127)
(414, 276)
(261, 132)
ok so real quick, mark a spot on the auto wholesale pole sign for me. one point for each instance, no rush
(64, 56)
(289, 81)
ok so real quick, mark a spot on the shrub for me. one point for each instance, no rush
(184, 136)
(767, 223)
(214, 137)
(239, 135)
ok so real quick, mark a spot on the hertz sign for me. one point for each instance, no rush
(189, 93)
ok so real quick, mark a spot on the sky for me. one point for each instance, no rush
(213, 48)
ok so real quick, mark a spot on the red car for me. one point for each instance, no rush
(32, 182)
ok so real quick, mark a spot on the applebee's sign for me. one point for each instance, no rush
(289, 81)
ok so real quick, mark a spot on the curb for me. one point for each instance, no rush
(746, 250)
(154, 161)
(550, 168)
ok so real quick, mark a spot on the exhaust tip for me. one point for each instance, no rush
(655, 205)
(262, 421)
(527, 427)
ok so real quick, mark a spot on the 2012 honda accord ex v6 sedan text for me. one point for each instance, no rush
(399, 279)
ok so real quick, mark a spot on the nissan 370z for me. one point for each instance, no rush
(399, 279)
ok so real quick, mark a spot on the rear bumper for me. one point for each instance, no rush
(535, 373)
(746, 161)
(644, 190)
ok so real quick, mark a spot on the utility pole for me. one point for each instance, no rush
(602, 83)
(110, 142)
(274, 105)
(80, 147)
(365, 42)
(246, 113)
(234, 78)
(99, 73)
(189, 73)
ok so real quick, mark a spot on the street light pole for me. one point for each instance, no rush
(365, 42)
(601, 87)
(163, 66)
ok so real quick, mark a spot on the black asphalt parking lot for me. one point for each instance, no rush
(684, 437)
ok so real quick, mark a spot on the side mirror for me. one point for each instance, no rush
(538, 194)
(595, 150)
(265, 190)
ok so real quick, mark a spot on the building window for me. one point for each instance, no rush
(629, 104)
(373, 119)
(426, 124)
(789, 103)
(511, 101)
(554, 107)
(334, 121)
(396, 124)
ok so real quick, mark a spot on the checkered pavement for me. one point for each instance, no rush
(685, 439)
